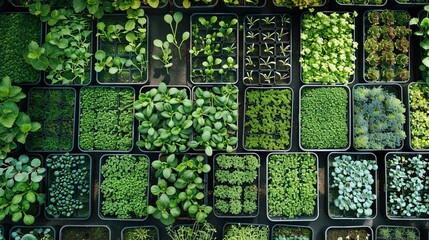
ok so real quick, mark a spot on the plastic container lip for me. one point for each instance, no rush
(291, 120)
(237, 41)
(410, 144)
(391, 217)
(279, 225)
(297, 219)
(99, 44)
(349, 117)
(74, 117)
(190, 95)
(352, 78)
(40, 42)
(290, 70)
(100, 180)
(398, 93)
(364, 54)
(210, 86)
(84, 226)
(258, 181)
(123, 231)
(376, 187)
(80, 113)
(87, 158)
(412, 3)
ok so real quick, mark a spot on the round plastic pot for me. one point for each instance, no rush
(81, 230)
(352, 77)
(409, 136)
(228, 225)
(103, 160)
(215, 183)
(151, 228)
(389, 155)
(194, 99)
(366, 25)
(116, 45)
(293, 6)
(221, 16)
(80, 116)
(297, 218)
(348, 117)
(393, 228)
(245, 119)
(60, 120)
(277, 227)
(81, 214)
(147, 88)
(349, 228)
(89, 68)
(277, 28)
(393, 88)
(332, 209)
(39, 41)
(353, 4)
(27, 229)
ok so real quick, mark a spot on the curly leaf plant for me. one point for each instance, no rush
(165, 119)
(179, 190)
(14, 125)
(20, 188)
(215, 119)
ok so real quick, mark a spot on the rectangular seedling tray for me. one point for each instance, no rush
(20, 231)
(85, 231)
(361, 3)
(333, 232)
(384, 232)
(244, 4)
(420, 127)
(335, 212)
(292, 231)
(301, 4)
(129, 232)
(249, 232)
(267, 52)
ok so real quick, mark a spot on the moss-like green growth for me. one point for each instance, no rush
(324, 121)
(268, 119)
(17, 31)
(124, 186)
(106, 118)
(419, 112)
(54, 109)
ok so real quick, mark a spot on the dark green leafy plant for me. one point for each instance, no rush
(20, 192)
(419, 109)
(387, 45)
(324, 118)
(66, 53)
(54, 108)
(106, 118)
(129, 34)
(378, 118)
(328, 49)
(398, 232)
(292, 185)
(248, 232)
(68, 192)
(124, 186)
(13, 42)
(32, 234)
(236, 184)
(188, 3)
(14, 125)
(298, 3)
(200, 231)
(268, 117)
(406, 185)
(124, 5)
(180, 188)
(352, 186)
(42, 8)
(165, 118)
(215, 119)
